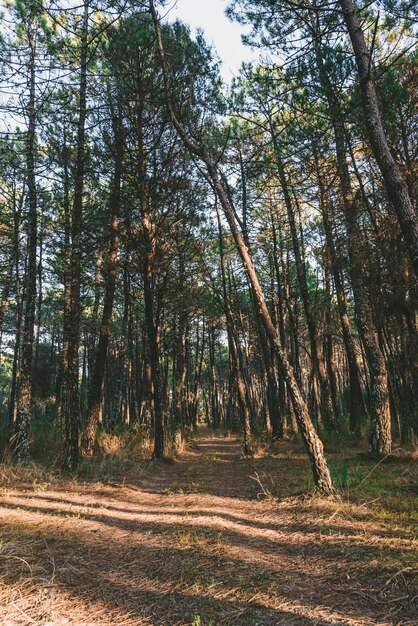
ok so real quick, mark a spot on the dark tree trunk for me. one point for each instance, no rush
(180, 363)
(18, 318)
(380, 433)
(24, 396)
(70, 396)
(152, 334)
(95, 393)
(148, 232)
(319, 369)
(357, 408)
(63, 366)
(313, 444)
(396, 186)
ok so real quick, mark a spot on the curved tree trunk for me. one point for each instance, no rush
(313, 444)
(396, 186)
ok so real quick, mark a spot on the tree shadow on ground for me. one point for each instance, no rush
(171, 570)
(189, 541)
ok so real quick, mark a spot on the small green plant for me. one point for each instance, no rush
(344, 474)
(340, 476)
(197, 621)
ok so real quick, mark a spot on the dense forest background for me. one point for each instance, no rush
(175, 251)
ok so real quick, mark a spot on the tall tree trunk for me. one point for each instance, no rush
(198, 373)
(40, 296)
(18, 324)
(180, 362)
(149, 243)
(328, 342)
(313, 444)
(357, 408)
(213, 385)
(152, 335)
(95, 393)
(236, 359)
(70, 396)
(66, 251)
(92, 325)
(396, 186)
(24, 397)
(274, 422)
(4, 298)
(380, 432)
(319, 368)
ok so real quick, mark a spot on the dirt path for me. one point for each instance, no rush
(189, 542)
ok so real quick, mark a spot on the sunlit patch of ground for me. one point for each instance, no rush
(197, 542)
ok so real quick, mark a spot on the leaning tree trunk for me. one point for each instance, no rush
(274, 424)
(313, 444)
(357, 407)
(396, 186)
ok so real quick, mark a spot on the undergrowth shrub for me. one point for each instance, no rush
(6, 443)
(126, 442)
(28, 472)
(45, 441)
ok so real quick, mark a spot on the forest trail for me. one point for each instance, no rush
(190, 542)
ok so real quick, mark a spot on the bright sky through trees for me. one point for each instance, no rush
(225, 35)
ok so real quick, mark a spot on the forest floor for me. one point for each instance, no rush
(198, 541)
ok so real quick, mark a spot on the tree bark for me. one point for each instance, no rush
(313, 444)
(236, 360)
(24, 397)
(357, 407)
(396, 186)
(319, 368)
(380, 432)
(95, 393)
(70, 397)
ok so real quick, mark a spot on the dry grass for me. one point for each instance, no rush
(126, 444)
(29, 473)
(197, 542)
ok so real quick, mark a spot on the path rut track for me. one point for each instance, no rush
(189, 542)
